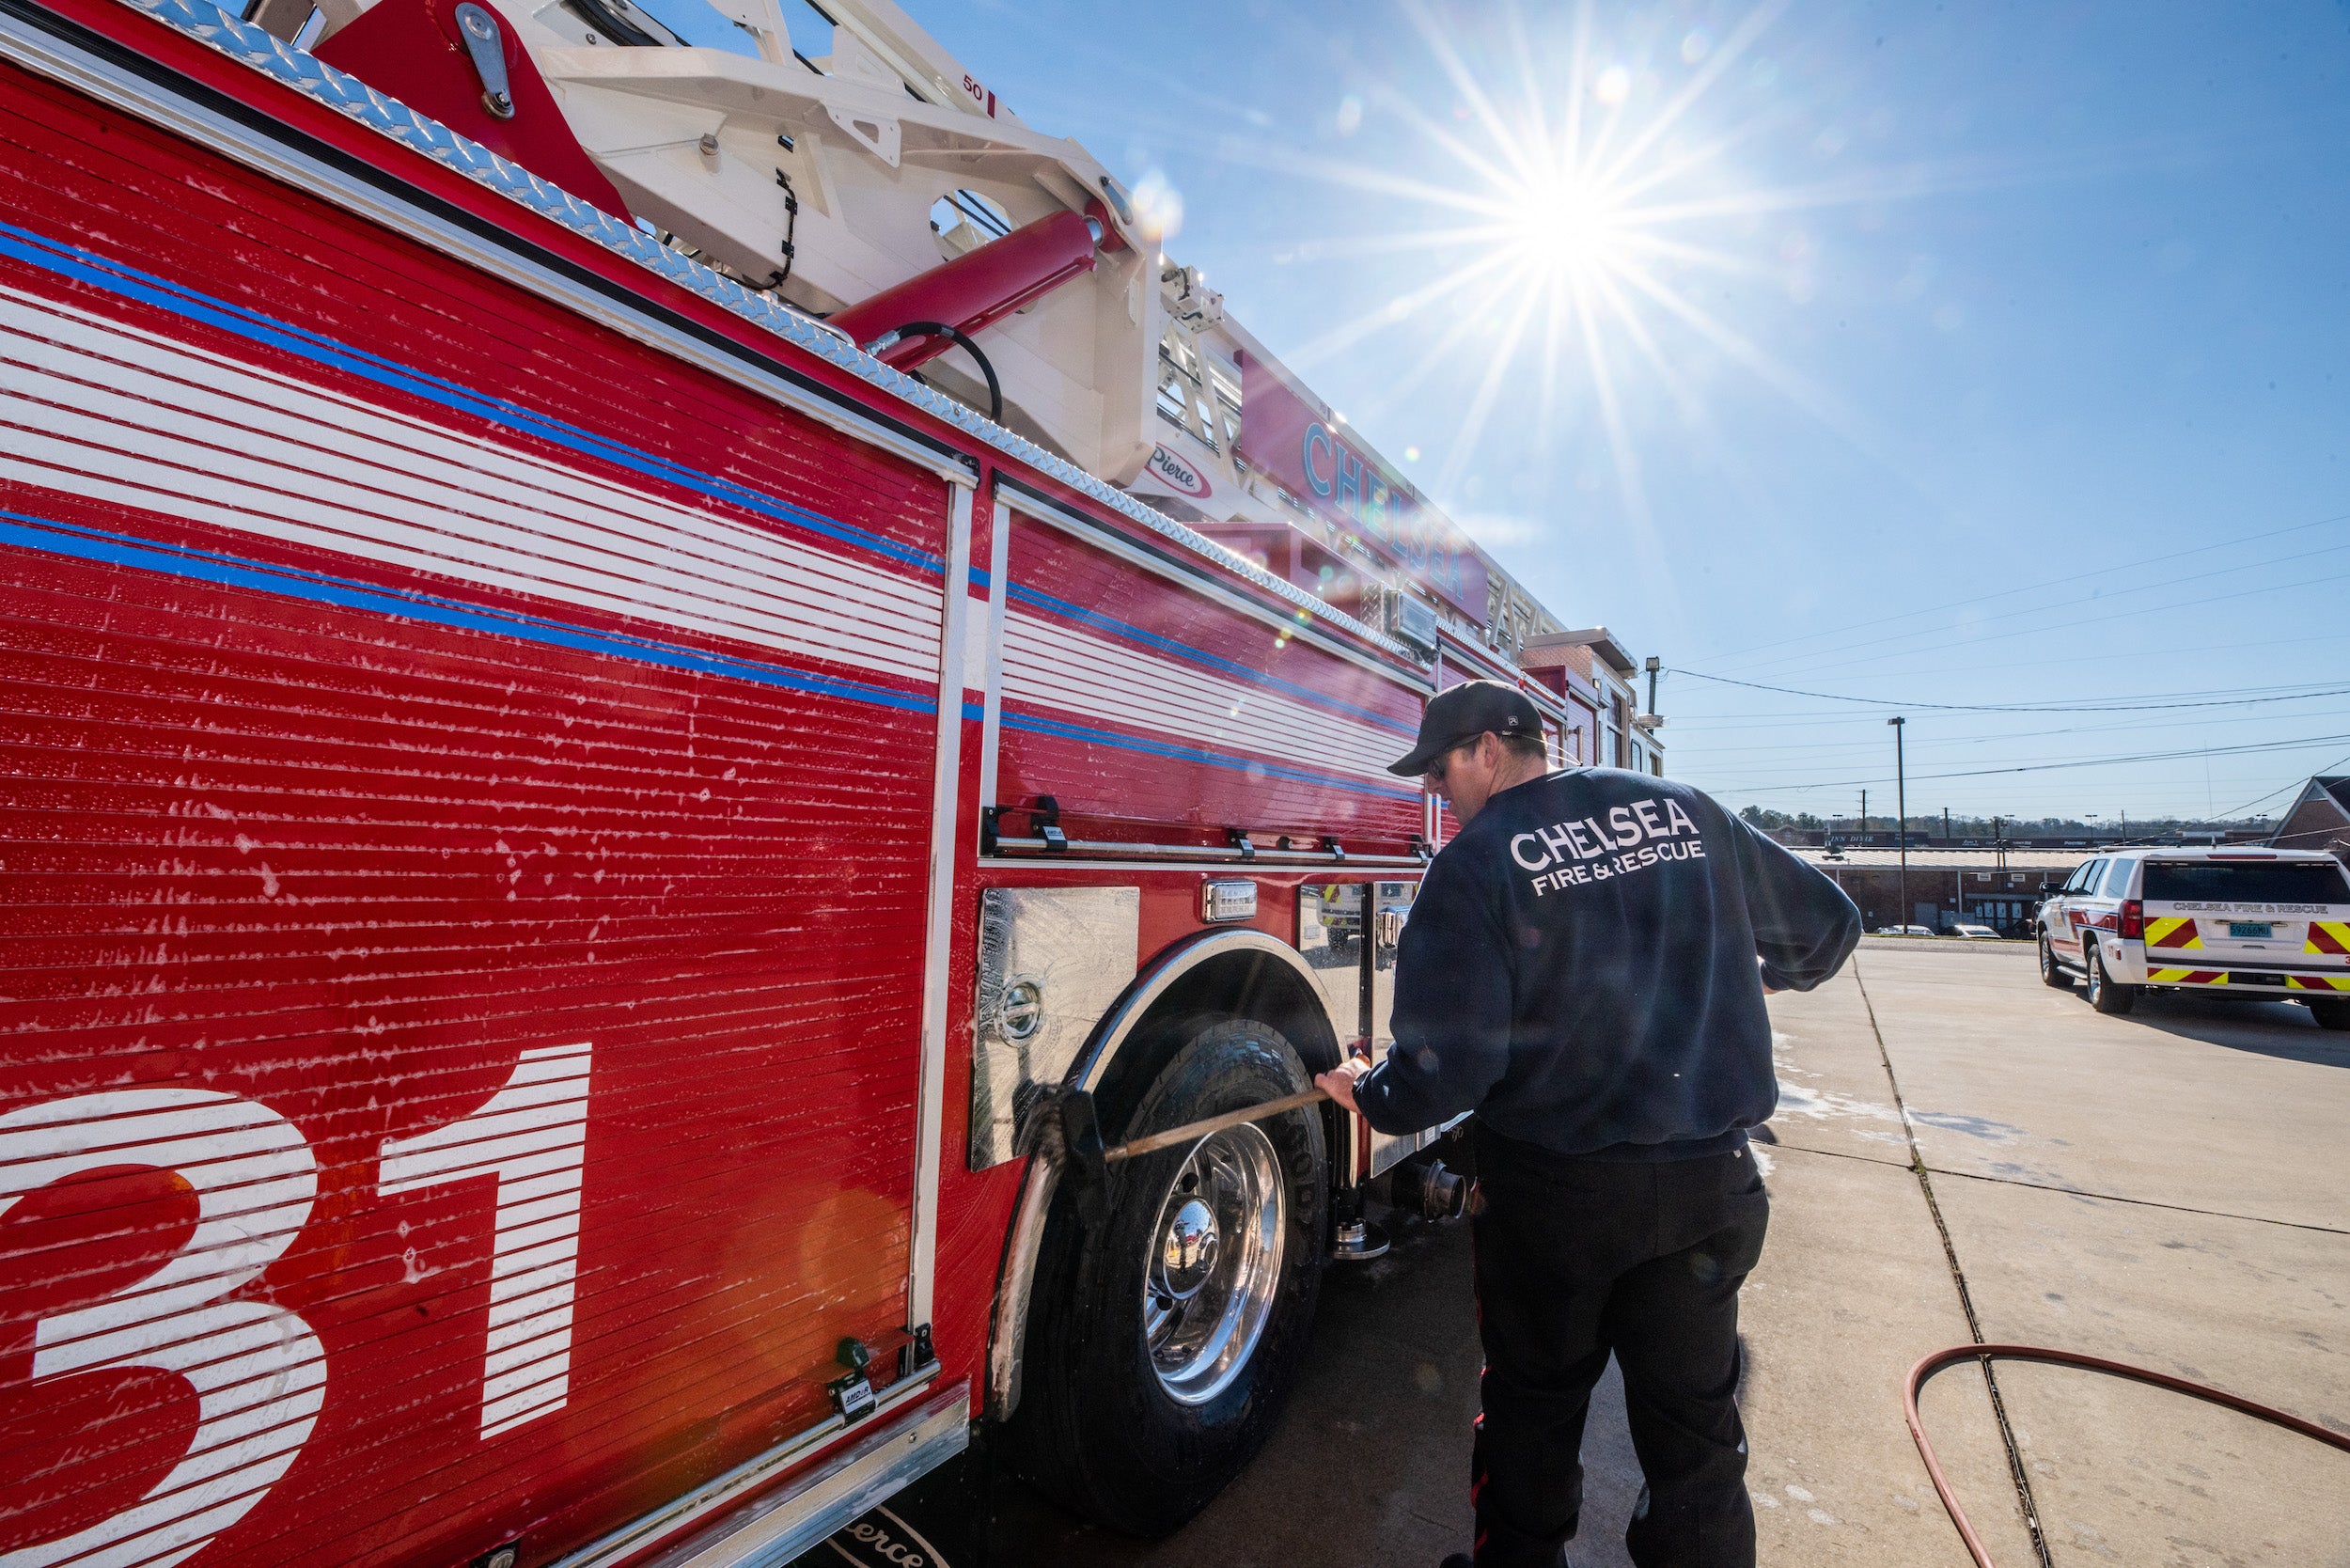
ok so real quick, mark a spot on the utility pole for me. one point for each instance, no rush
(1946, 825)
(1901, 805)
(1998, 846)
(1864, 813)
(1654, 664)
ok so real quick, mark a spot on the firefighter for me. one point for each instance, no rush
(1583, 968)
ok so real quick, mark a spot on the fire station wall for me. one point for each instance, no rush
(484, 773)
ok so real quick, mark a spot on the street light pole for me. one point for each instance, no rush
(1901, 805)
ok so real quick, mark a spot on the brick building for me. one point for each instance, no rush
(1597, 681)
(2320, 818)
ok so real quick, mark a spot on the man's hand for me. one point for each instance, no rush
(1338, 1083)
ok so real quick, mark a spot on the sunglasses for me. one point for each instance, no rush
(1434, 772)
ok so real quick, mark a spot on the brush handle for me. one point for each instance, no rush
(1193, 1131)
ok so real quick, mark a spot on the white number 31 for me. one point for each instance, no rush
(258, 1370)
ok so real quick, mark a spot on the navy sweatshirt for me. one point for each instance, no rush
(1580, 968)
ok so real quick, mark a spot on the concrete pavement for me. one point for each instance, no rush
(2167, 1189)
(2217, 1247)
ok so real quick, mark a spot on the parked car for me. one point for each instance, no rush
(1903, 931)
(2271, 925)
(1972, 933)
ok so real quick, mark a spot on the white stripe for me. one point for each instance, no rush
(520, 1239)
(117, 414)
(518, 1332)
(506, 1415)
(558, 1253)
(560, 1275)
(527, 1352)
(1051, 664)
(530, 1374)
(975, 644)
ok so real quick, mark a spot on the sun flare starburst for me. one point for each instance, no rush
(1578, 197)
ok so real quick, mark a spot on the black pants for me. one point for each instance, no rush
(1579, 1258)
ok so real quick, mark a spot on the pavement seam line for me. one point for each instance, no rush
(2137, 1203)
(1958, 1278)
(2068, 1192)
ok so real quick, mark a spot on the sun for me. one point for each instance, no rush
(1568, 227)
(1573, 202)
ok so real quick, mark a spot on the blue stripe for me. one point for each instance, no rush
(94, 545)
(1192, 754)
(1130, 632)
(120, 278)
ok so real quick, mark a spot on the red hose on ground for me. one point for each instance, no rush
(1940, 1359)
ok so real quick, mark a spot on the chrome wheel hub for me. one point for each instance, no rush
(1188, 1257)
(1214, 1265)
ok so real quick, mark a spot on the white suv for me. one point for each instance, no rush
(2263, 924)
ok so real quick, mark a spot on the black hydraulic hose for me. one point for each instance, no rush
(940, 329)
(619, 29)
(1989, 1353)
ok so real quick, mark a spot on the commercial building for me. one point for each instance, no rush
(1978, 887)
(1596, 677)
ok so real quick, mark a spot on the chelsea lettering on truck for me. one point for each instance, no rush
(1298, 441)
(571, 839)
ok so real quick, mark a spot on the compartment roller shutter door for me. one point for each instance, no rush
(464, 819)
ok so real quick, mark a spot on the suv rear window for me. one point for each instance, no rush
(2245, 882)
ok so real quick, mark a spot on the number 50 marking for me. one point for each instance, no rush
(259, 1371)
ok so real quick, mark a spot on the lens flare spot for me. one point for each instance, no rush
(1158, 205)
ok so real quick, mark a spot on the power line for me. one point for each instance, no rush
(2052, 582)
(1843, 650)
(2118, 615)
(2052, 767)
(1701, 750)
(1974, 668)
(2124, 705)
(1751, 759)
(2282, 788)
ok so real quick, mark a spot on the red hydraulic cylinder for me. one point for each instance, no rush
(978, 288)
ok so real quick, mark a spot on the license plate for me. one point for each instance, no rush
(2257, 930)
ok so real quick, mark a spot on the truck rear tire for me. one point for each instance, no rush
(1161, 1347)
(2330, 1015)
(2104, 994)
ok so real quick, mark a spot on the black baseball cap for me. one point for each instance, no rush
(1462, 713)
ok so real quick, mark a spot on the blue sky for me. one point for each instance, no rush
(1971, 354)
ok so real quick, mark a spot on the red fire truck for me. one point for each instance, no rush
(567, 817)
